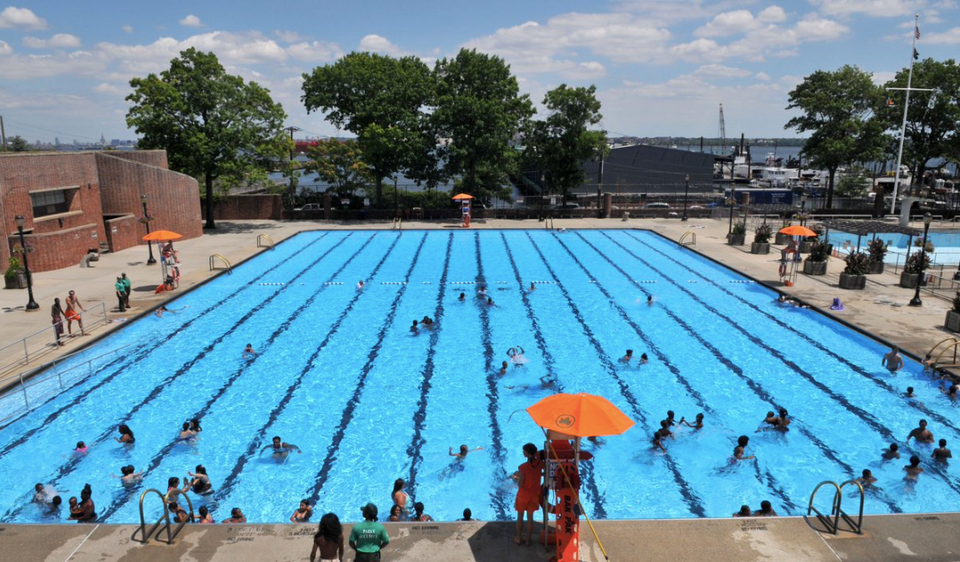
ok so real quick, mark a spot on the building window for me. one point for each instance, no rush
(50, 203)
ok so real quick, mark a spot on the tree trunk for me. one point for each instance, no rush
(208, 180)
(379, 190)
(833, 173)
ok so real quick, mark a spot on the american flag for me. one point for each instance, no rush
(916, 32)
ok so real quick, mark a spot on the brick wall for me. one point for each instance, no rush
(124, 232)
(65, 248)
(173, 199)
(247, 207)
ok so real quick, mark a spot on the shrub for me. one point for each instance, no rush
(15, 268)
(739, 228)
(819, 251)
(913, 262)
(857, 263)
(762, 234)
(877, 249)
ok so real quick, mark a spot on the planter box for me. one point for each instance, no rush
(854, 282)
(760, 248)
(909, 280)
(814, 267)
(952, 321)
(783, 239)
(18, 282)
(874, 268)
(736, 239)
(805, 246)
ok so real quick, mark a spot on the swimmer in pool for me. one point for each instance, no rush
(161, 310)
(503, 368)
(909, 392)
(414, 329)
(890, 453)
(186, 433)
(892, 361)
(867, 479)
(657, 441)
(279, 449)
(921, 433)
(464, 451)
(546, 381)
(669, 419)
(698, 424)
(490, 302)
(951, 392)
(913, 469)
(626, 358)
(81, 448)
(644, 358)
(942, 454)
(533, 286)
(129, 477)
(248, 352)
(126, 435)
(665, 430)
(649, 300)
(359, 285)
(462, 297)
(741, 449)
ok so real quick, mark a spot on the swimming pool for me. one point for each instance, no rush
(946, 244)
(339, 374)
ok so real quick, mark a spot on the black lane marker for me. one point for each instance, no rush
(867, 417)
(347, 416)
(771, 481)
(690, 497)
(72, 464)
(590, 481)
(199, 414)
(129, 359)
(856, 368)
(415, 449)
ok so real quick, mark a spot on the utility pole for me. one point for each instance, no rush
(3, 136)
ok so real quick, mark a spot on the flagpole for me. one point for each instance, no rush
(903, 126)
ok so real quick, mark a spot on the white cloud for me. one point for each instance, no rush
(5, 48)
(315, 51)
(190, 20)
(58, 41)
(288, 36)
(882, 77)
(728, 23)
(770, 39)
(382, 45)
(721, 71)
(20, 17)
(772, 14)
(875, 8)
(763, 76)
(949, 37)
(29, 67)
(105, 88)
(127, 28)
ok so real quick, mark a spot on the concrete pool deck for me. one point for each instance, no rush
(788, 539)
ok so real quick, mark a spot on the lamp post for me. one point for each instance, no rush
(686, 191)
(927, 219)
(733, 199)
(803, 208)
(146, 223)
(31, 304)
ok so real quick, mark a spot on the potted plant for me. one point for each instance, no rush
(952, 322)
(854, 276)
(877, 251)
(816, 262)
(15, 277)
(738, 236)
(807, 243)
(761, 239)
(911, 270)
(783, 239)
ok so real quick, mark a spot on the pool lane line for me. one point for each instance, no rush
(202, 412)
(415, 449)
(853, 366)
(130, 358)
(771, 481)
(864, 416)
(75, 461)
(589, 479)
(686, 491)
(347, 415)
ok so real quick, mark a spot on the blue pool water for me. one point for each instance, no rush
(339, 374)
(946, 245)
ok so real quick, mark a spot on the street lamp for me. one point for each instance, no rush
(927, 219)
(686, 190)
(31, 304)
(146, 223)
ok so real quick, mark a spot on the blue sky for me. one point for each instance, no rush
(661, 67)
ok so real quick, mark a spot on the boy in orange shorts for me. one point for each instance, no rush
(528, 496)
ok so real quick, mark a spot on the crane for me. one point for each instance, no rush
(723, 133)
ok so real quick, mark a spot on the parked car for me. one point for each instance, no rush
(657, 206)
(311, 207)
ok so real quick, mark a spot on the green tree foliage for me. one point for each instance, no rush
(838, 112)
(18, 144)
(855, 183)
(933, 118)
(381, 100)
(340, 164)
(213, 125)
(561, 143)
(479, 112)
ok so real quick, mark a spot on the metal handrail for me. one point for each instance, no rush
(100, 319)
(220, 257)
(267, 237)
(692, 235)
(143, 522)
(858, 526)
(835, 509)
(166, 503)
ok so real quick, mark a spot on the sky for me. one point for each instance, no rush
(661, 67)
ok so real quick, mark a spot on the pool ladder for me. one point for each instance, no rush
(692, 238)
(165, 518)
(836, 512)
(263, 239)
(226, 262)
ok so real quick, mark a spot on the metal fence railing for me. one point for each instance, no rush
(21, 352)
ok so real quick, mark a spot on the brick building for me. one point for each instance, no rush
(81, 201)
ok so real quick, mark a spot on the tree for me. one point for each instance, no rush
(340, 164)
(213, 125)
(560, 144)
(933, 118)
(381, 100)
(838, 112)
(18, 144)
(479, 114)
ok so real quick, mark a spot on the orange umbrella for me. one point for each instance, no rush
(462, 196)
(162, 236)
(582, 415)
(797, 231)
